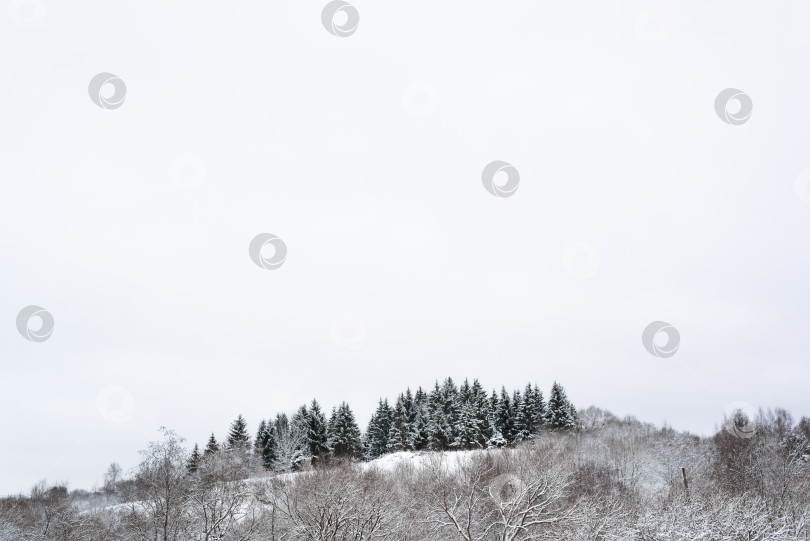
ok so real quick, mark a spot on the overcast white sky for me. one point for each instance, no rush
(364, 154)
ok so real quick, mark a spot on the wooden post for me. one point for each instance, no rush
(685, 484)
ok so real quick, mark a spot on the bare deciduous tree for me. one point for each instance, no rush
(520, 496)
(338, 503)
(221, 502)
(161, 489)
(111, 477)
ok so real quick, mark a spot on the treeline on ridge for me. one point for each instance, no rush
(448, 417)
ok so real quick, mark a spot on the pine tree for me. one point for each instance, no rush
(439, 431)
(345, 439)
(194, 459)
(469, 432)
(408, 402)
(212, 446)
(521, 416)
(483, 412)
(316, 431)
(464, 394)
(398, 436)
(378, 431)
(504, 420)
(238, 437)
(420, 421)
(496, 438)
(281, 427)
(539, 412)
(494, 403)
(451, 404)
(528, 413)
(265, 445)
(258, 441)
(330, 427)
(560, 413)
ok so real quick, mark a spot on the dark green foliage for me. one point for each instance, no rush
(194, 459)
(212, 446)
(420, 421)
(378, 431)
(265, 445)
(448, 417)
(504, 416)
(344, 436)
(316, 431)
(398, 439)
(238, 437)
(560, 413)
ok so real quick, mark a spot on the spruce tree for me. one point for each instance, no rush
(560, 413)
(330, 426)
(494, 403)
(345, 439)
(258, 441)
(212, 446)
(398, 436)
(539, 413)
(464, 395)
(451, 404)
(521, 417)
(194, 459)
(440, 432)
(496, 437)
(316, 431)
(238, 437)
(281, 427)
(483, 413)
(527, 411)
(265, 445)
(504, 421)
(420, 421)
(378, 431)
(468, 433)
(408, 402)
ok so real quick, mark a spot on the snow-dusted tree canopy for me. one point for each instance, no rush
(448, 417)
(454, 463)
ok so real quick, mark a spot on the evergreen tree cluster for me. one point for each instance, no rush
(448, 417)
